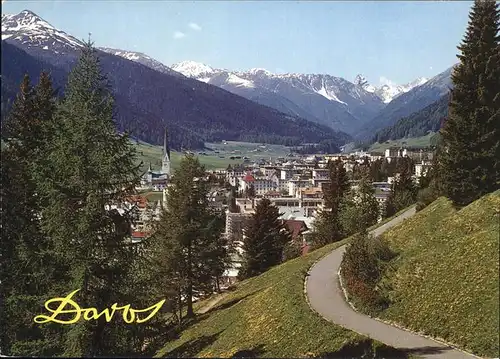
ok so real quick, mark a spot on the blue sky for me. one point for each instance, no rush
(383, 40)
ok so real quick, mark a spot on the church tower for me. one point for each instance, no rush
(165, 165)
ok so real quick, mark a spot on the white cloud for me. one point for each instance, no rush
(179, 35)
(385, 81)
(195, 26)
(430, 67)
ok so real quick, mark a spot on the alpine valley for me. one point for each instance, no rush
(201, 104)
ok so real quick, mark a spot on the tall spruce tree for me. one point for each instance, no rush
(359, 209)
(265, 239)
(89, 168)
(27, 253)
(404, 190)
(327, 225)
(471, 133)
(189, 247)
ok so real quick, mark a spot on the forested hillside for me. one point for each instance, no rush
(147, 101)
(417, 124)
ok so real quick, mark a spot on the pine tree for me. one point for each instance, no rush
(471, 133)
(89, 168)
(338, 186)
(327, 225)
(250, 191)
(359, 209)
(31, 269)
(188, 242)
(404, 190)
(265, 239)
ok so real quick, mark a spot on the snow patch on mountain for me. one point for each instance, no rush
(360, 80)
(29, 27)
(259, 71)
(142, 59)
(192, 68)
(238, 81)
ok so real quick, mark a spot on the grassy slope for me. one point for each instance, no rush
(445, 280)
(268, 316)
(423, 141)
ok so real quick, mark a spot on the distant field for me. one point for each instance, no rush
(423, 141)
(215, 156)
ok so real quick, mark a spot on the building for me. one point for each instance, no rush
(158, 180)
(422, 168)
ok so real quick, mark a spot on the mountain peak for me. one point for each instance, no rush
(388, 91)
(360, 80)
(30, 28)
(192, 68)
(256, 71)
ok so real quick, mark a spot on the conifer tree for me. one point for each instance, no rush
(89, 168)
(265, 239)
(359, 209)
(188, 243)
(404, 191)
(250, 191)
(327, 225)
(471, 133)
(30, 266)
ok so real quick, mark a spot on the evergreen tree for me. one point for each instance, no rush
(429, 184)
(265, 239)
(359, 209)
(26, 253)
(250, 191)
(404, 191)
(471, 133)
(89, 168)
(376, 171)
(233, 207)
(188, 243)
(327, 225)
(338, 186)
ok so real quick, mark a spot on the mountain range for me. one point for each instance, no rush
(321, 98)
(202, 103)
(388, 92)
(148, 99)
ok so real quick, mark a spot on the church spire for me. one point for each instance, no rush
(166, 148)
(166, 155)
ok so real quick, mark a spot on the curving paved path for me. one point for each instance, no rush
(327, 298)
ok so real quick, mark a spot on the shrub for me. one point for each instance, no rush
(362, 267)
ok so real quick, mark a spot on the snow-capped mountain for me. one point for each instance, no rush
(363, 82)
(147, 99)
(142, 59)
(30, 30)
(192, 69)
(321, 98)
(324, 99)
(422, 94)
(389, 91)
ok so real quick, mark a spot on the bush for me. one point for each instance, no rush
(293, 249)
(425, 197)
(362, 267)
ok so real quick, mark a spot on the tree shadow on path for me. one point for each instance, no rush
(367, 349)
(191, 348)
(255, 352)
